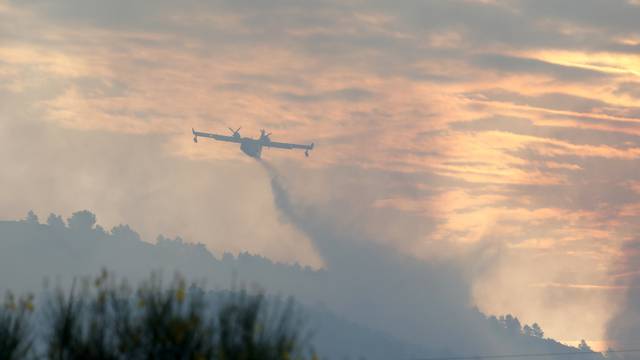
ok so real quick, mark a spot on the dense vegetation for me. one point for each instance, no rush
(109, 320)
(367, 305)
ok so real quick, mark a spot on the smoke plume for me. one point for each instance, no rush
(623, 329)
(381, 288)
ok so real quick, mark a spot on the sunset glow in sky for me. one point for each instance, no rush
(506, 129)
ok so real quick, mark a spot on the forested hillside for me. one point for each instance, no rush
(35, 254)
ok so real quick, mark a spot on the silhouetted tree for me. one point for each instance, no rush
(32, 218)
(511, 323)
(124, 232)
(537, 331)
(82, 220)
(98, 229)
(584, 346)
(55, 221)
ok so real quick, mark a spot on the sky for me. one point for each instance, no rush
(502, 135)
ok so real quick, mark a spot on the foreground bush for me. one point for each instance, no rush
(109, 320)
(15, 338)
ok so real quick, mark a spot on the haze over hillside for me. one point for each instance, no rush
(367, 302)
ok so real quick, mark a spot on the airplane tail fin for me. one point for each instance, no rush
(195, 136)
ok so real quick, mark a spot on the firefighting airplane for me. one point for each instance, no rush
(252, 147)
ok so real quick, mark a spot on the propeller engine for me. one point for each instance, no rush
(264, 134)
(236, 133)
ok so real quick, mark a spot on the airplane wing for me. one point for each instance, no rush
(280, 145)
(197, 134)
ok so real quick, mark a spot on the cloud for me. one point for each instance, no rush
(631, 89)
(349, 95)
(506, 64)
(612, 17)
(559, 130)
(562, 102)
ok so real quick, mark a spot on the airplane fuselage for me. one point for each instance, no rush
(251, 147)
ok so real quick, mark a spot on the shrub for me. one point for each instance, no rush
(15, 338)
(108, 320)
